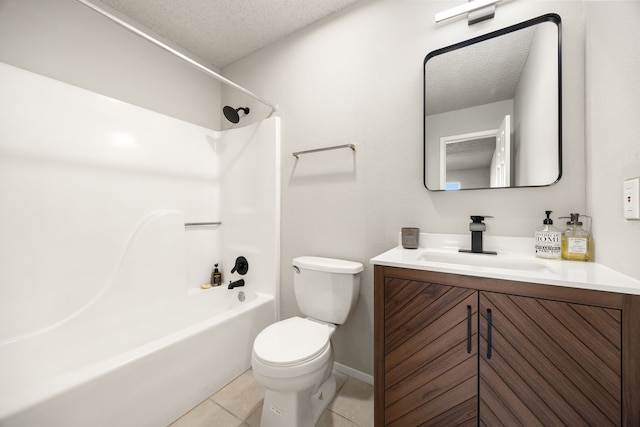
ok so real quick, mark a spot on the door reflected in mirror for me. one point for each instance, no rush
(493, 109)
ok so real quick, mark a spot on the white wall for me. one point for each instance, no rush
(83, 177)
(357, 78)
(67, 41)
(95, 195)
(250, 203)
(613, 128)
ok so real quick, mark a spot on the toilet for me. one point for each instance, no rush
(293, 358)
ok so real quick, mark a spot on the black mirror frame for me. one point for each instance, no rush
(549, 17)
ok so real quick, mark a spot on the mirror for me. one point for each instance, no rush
(492, 109)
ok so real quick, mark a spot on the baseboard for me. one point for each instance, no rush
(353, 373)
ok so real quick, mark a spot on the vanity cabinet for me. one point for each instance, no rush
(461, 350)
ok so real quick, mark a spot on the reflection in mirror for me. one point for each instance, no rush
(493, 109)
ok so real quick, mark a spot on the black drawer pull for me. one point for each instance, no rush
(488, 333)
(469, 329)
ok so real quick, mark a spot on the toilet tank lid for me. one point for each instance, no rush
(330, 265)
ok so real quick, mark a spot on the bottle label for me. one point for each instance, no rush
(548, 244)
(577, 245)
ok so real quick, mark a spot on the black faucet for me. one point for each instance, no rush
(236, 284)
(476, 226)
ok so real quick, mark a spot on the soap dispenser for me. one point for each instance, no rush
(548, 239)
(216, 276)
(576, 241)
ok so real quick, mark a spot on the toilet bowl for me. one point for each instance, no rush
(293, 358)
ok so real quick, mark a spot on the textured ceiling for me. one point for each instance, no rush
(222, 31)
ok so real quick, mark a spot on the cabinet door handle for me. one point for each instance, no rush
(469, 329)
(488, 333)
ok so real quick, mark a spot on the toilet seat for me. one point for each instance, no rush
(291, 342)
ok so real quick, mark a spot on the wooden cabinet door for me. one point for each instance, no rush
(431, 354)
(548, 363)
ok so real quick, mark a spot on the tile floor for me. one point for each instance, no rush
(239, 404)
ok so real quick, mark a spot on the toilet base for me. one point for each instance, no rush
(296, 409)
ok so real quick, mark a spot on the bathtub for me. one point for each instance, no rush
(102, 319)
(154, 383)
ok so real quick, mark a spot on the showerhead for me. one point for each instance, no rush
(232, 113)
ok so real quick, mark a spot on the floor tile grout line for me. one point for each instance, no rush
(227, 411)
(343, 417)
(259, 405)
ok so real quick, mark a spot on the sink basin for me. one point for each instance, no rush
(483, 260)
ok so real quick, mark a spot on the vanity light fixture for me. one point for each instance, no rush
(477, 10)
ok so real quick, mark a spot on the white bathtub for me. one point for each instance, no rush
(155, 383)
(102, 320)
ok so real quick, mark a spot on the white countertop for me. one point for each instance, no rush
(514, 251)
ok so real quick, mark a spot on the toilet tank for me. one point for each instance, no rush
(326, 289)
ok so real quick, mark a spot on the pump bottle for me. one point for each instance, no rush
(548, 239)
(576, 241)
(216, 276)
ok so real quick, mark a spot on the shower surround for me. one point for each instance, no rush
(101, 313)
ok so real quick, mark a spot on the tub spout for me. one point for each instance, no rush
(236, 284)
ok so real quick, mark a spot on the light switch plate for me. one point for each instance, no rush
(631, 191)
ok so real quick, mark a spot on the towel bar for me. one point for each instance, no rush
(315, 150)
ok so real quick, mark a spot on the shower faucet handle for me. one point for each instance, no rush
(242, 266)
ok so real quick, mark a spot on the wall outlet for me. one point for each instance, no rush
(631, 192)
